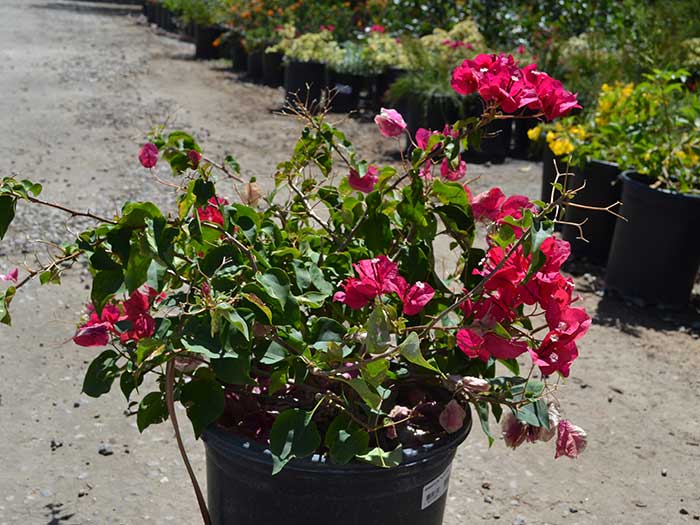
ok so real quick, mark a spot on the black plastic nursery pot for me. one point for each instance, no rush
(242, 490)
(239, 56)
(151, 11)
(204, 38)
(494, 146)
(272, 69)
(602, 188)
(304, 81)
(430, 113)
(520, 143)
(655, 255)
(254, 67)
(382, 83)
(344, 90)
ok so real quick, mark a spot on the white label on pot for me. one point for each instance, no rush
(434, 490)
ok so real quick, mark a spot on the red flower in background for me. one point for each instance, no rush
(211, 212)
(148, 156)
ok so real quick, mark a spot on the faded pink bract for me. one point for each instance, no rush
(452, 417)
(571, 440)
(390, 123)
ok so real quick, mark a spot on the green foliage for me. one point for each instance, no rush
(239, 298)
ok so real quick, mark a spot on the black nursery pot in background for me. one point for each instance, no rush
(520, 144)
(239, 56)
(344, 90)
(204, 37)
(304, 81)
(494, 146)
(242, 491)
(151, 11)
(602, 188)
(655, 254)
(382, 83)
(272, 69)
(255, 65)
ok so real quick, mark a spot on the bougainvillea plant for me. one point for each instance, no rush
(322, 310)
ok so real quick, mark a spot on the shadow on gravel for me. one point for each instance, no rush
(626, 315)
(105, 10)
(57, 514)
(629, 318)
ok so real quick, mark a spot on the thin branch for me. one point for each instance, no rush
(73, 213)
(170, 402)
(309, 211)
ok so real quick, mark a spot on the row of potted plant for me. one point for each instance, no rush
(321, 350)
(641, 145)
(372, 69)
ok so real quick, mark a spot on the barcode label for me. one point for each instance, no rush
(434, 490)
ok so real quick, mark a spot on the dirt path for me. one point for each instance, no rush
(81, 83)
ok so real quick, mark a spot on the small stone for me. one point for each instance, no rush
(664, 472)
(696, 517)
(573, 510)
(684, 512)
(55, 444)
(640, 504)
(82, 493)
(46, 493)
(105, 450)
(486, 485)
(519, 520)
(488, 499)
(76, 405)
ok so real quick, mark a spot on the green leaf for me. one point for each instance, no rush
(101, 374)
(128, 382)
(410, 350)
(134, 214)
(293, 435)
(262, 312)
(203, 191)
(278, 380)
(204, 399)
(381, 458)
(534, 414)
(345, 439)
(8, 205)
(274, 354)
(136, 272)
(152, 410)
(234, 319)
(276, 283)
(482, 409)
(5, 301)
(232, 163)
(233, 370)
(148, 348)
(326, 329)
(366, 392)
(459, 222)
(104, 285)
(378, 331)
(374, 372)
(451, 193)
(512, 365)
(52, 276)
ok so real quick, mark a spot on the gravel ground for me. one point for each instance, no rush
(81, 83)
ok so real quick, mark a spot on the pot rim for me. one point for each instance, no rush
(628, 176)
(231, 442)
